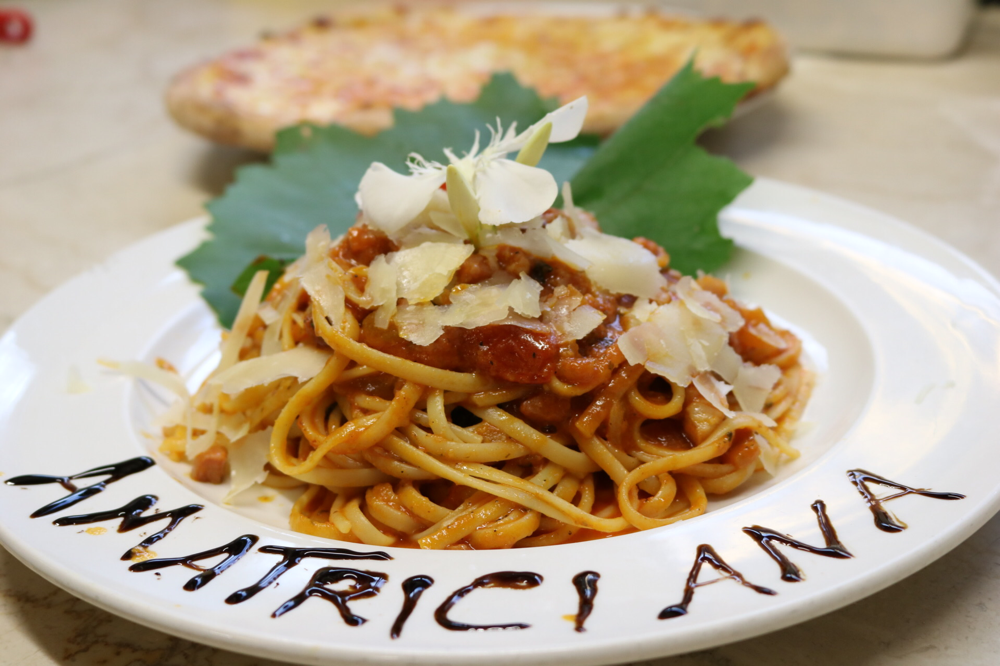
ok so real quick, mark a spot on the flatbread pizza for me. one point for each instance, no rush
(353, 69)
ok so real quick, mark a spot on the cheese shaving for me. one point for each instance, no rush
(302, 362)
(477, 305)
(618, 264)
(247, 460)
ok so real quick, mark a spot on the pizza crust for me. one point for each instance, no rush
(354, 69)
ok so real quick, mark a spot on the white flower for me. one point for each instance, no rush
(504, 190)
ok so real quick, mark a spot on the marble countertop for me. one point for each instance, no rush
(90, 163)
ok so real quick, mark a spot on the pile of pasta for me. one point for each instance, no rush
(558, 420)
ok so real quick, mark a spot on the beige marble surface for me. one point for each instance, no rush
(89, 163)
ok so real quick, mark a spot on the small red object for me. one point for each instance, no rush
(15, 26)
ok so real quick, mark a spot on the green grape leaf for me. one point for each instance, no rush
(315, 171)
(651, 179)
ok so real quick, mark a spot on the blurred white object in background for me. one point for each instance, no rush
(891, 28)
(923, 29)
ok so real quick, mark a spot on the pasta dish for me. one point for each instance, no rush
(469, 367)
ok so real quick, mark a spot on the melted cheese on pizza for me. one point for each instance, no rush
(354, 70)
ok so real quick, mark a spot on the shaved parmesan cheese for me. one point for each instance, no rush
(267, 313)
(449, 223)
(302, 362)
(618, 264)
(317, 249)
(233, 426)
(582, 321)
(244, 318)
(535, 241)
(727, 363)
(168, 380)
(707, 305)
(420, 235)
(540, 243)
(522, 295)
(271, 343)
(381, 290)
(420, 324)
(423, 272)
(769, 455)
(714, 391)
(675, 343)
(324, 288)
(247, 459)
(633, 343)
(558, 230)
(477, 305)
(753, 384)
(642, 310)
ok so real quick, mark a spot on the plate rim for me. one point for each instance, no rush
(608, 651)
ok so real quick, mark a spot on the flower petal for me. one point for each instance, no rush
(512, 192)
(391, 200)
(567, 120)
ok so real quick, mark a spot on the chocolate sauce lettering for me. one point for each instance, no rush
(114, 472)
(516, 580)
(707, 555)
(884, 520)
(131, 515)
(413, 587)
(234, 550)
(291, 557)
(789, 572)
(363, 584)
(586, 588)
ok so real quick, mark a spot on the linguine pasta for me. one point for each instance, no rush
(432, 379)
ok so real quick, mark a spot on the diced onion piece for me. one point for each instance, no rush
(247, 458)
(302, 362)
(618, 264)
(753, 384)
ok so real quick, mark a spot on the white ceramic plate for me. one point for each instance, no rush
(905, 333)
